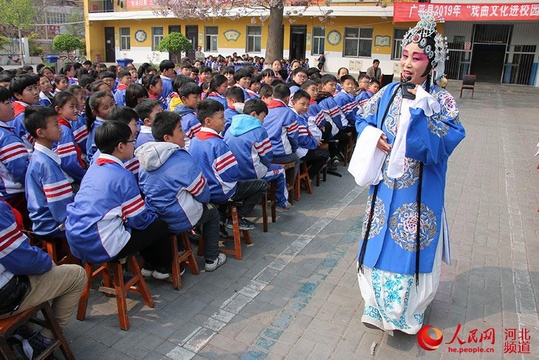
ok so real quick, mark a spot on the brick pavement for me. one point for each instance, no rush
(295, 294)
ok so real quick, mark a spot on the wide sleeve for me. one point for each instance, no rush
(368, 113)
(432, 139)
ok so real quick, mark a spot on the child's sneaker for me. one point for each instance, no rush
(161, 274)
(244, 224)
(284, 208)
(147, 269)
(211, 265)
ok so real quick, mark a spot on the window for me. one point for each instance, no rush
(56, 18)
(357, 42)
(254, 39)
(125, 38)
(319, 35)
(211, 38)
(398, 35)
(157, 36)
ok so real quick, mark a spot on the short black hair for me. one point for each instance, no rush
(241, 73)
(188, 89)
(256, 105)
(265, 91)
(327, 78)
(179, 81)
(123, 114)
(106, 74)
(207, 108)
(301, 94)
(35, 117)
(6, 76)
(166, 64)
(110, 134)
(236, 93)
(85, 80)
(376, 61)
(281, 92)
(5, 94)
(134, 94)
(164, 124)
(21, 82)
(347, 77)
(299, 70)
(145, 107)
(122, 73)
(87, 62)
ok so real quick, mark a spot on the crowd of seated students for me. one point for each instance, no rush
(91, 155)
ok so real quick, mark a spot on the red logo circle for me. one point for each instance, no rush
(426, 341)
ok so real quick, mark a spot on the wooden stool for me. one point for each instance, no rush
(303, 174)
(10, 325)
(288, 169)
(59, 245)
(177, 259)
(118, 288)
(233, 212)
(264, 204)
(349, 149)
(324, 171)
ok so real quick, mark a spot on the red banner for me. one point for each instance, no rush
(408, 12)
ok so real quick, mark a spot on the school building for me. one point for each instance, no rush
(496, 41)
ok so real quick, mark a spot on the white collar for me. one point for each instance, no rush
(145, 129)
(54, 156)
(111, 157)
(207, 129)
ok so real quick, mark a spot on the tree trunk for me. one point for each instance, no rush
(21, 51)
(274, 46)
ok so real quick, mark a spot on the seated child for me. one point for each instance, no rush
(108, 219)
(242, 77)
(218, 89)
(266, 93)
(28, 278)
(363, 81)
(97, 110)
(146, 110)
(14, 159)
(190, 97)
(235, 97)
(66, 105)
(25, 90)
(178, 83)
(179, 198)
(220, 166)
(48, 189)
(250, 144)
(61, 83)
(311, 148)
(124, 80)
(80, 131)
(282, 128)
(365, 96)
(168, 72)
(346, 98)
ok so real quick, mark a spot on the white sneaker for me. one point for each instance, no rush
(212, 265)
(285, 208)
(160, 275)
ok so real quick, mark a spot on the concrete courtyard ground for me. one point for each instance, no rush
(295, 293)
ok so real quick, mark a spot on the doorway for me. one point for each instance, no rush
(110, 52)
(191, 33)
(298, 38)
(487, 62)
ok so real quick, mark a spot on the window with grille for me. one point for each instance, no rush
(211, 38)
(157, 36)
(319, 36)
(254, 39)
(398, 35)
(357, 42)
(125, 38)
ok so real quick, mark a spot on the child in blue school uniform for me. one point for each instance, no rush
(250, 144)
(220, 166)
(180, 198)
(48, 188)
(25, 90)
(97, 110)
(235, 97)
(190, 97)
(109, 219)
(67, 148)
(147, 109)
(124, 80)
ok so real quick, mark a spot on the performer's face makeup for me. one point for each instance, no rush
(414, 63)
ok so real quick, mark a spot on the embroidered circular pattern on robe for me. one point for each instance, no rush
(408, 178)
(393, 114)
(437, 127)
(379, 218)
(403, 225)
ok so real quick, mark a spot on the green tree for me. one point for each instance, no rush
(67, 43)
(35, 48)
(76, 26)
(18, 14)
(175, 43)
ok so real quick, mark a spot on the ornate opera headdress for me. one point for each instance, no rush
(434, 45)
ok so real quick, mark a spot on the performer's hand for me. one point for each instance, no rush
(413, 91)
(383, 145)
